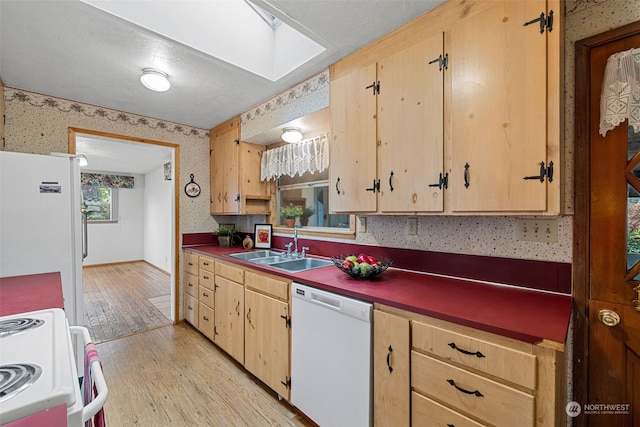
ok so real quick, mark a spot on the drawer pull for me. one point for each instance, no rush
(475, 392)
(204, 294)
(205, 277)
(388, 359)
(205, 318)
(475, 353)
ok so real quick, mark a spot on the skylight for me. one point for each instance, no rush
(233, 31)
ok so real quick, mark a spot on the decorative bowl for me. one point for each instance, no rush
(362, 270)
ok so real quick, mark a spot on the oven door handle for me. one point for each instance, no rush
(92, 408)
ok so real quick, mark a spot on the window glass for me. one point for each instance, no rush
(310, 192)
(99, 203)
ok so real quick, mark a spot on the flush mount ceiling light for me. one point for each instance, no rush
(291, 135)
(155, 80)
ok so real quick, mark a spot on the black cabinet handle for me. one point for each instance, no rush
(391, 181)
(466, 175)
(475, 392)
(337, 183)
(475, 353)
(389, 359)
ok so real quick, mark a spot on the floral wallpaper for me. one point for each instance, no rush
(63, 105)
(102, 180)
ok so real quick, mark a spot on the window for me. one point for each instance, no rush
(100, 203)
(310, 192)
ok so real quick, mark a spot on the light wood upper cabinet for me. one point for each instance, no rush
(498, 109)
(456, 136)
(352, 149)
(410, 128)
(235, 173)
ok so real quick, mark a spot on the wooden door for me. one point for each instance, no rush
(229, 317)
(353, 142)
(223, 158)
(267, 341)
(410, 126)
(607, 249)
(498, 109)
(391, 380)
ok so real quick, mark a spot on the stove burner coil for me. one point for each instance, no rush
(17, 325)
(16, 378)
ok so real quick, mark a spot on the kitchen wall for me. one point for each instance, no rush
(40, 124)
(120, 241)
(158, 199)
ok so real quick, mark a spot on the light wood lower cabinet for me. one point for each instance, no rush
(391, 382)
(191, 309)
(229, 318)
(461, 376)
(267, 331)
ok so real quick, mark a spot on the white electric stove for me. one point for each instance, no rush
(37, 367)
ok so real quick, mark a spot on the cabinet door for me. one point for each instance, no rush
(229, 317)
(391, 380)
(224, 171)
(267, 341)
(498, 109)
(410, 126)
(353, 143)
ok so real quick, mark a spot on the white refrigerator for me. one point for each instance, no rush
(41, 226)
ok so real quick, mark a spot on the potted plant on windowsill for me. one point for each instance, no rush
(226, 235)
(290, 213)
(305, 215)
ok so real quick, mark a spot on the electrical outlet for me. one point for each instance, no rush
(362, 224)
(412, 226)
(538, 230)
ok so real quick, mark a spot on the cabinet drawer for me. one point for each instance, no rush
(464, 391)
(206, 295)
(426, 412)
(191, 284)
(503, 362)
(191, 309)
(206, 263)
(191, 263)
(270, 285)
(205, 320)
(206, 278)
(230, 271)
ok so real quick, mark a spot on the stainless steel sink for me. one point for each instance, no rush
(301, 264)
(249, 256)
(266, 260)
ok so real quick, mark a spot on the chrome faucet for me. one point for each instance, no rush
(295, 241)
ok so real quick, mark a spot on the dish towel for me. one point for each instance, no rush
(620, 97)
(89, 388)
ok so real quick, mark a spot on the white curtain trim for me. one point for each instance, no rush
(309, 155)
(620, 97)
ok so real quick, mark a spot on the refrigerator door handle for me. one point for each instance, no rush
(85, 239)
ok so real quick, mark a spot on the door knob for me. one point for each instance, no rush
(609, 318)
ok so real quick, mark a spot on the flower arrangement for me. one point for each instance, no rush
(291, 211)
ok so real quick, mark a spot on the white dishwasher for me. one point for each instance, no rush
(331, 357)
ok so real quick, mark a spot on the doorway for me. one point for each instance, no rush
(606, 267)
(113, 151)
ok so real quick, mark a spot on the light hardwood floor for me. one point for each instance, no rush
(174, 376)
(123, 299)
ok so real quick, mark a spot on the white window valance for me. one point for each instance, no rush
(620, 98)
(309, 155)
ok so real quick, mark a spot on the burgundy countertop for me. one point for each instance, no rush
(524, 314)
(20, 294)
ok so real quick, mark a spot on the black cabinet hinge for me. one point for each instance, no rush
(375, 187)
(443, 182)
(443, 62)
(237, 199)
(237, 141)
(545, 21)
(287, 321)
(375, 88)
(286, 382)
(545, 171)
